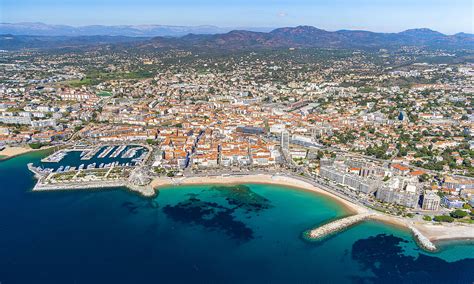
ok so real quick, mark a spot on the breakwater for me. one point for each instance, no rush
(145, 190)
(335, 226)
(423, 241)
(80, 185)
(338, 225)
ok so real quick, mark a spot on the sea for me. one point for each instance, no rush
(247, 233)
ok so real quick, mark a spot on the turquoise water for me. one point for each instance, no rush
(245, 234)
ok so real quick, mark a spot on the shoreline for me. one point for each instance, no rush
(433, 232)
(12, 152)
(349, 207)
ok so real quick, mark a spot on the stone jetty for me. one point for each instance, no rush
(335, 226)
(341, 224)
(423, 241)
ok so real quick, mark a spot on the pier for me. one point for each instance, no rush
(335, 226)
(106, 152)
(118, 151)
(130, 153)
(55, 157)
(88, 155)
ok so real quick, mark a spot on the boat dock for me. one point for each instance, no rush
(117, 151)
(106, 152)
(91, 153)
(55, 157)
(130, 153)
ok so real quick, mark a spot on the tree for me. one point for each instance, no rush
(152, 142)
(443, 218)
(427, 218)
(35, 145)
(458, 213)
(424, 178)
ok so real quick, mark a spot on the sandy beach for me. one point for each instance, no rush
(434, 232)
(264, 179)
(450, 231)
(10, 152)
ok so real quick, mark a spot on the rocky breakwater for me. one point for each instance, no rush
(334, 227)
(423, 241)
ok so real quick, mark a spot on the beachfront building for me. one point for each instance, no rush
(352, 181)
(431, 201)
(452, 202)
(407, 197)
(332, 174)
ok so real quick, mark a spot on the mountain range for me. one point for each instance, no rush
(288, 37)
(311, 37)
(41, 29)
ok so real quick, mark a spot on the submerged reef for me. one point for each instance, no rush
(221, 215)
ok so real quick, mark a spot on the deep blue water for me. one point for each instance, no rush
(203, 234)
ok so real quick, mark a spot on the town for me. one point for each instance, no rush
(391, 130)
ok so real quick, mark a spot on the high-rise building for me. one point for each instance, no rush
(406, 198)
(285, 140)
(431, 201)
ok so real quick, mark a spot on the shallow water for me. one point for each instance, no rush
(249, 234)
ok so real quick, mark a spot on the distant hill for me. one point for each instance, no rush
(16, 42)
(40, 29)
(296, 37)
(311, 37)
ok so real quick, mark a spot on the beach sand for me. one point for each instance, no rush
(434, 232)
(257, 179)
(450, 231)
(10, 152)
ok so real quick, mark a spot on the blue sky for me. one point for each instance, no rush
(448, 16)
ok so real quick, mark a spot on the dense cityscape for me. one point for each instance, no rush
(391, 128)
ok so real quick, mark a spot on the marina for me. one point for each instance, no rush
(100, 156)
(93, 167)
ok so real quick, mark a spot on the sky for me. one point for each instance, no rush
(447, 16)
